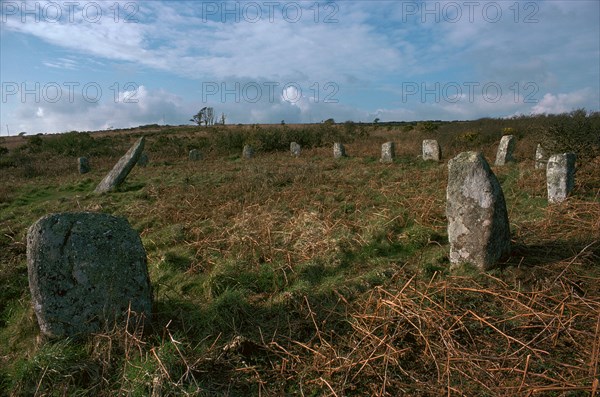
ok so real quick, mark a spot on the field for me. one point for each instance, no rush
(313, 276)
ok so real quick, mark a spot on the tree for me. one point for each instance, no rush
(205, 115)
(223, 118)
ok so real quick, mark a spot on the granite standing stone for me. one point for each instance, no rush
(195, 155)
(505, 150)
(86, 270)
(338, 150)
(143, 160)
(431, 150)
(83, 165)
(120, 171)
(560, 176)
(295, 149)
(248, 152)
(388, 152)
(478, 227)
(541, 158)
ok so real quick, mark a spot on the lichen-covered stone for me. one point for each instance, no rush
(541, 158)
(505, 150)
(478, 227)
(431, 150)
(195, 155)
(86, 270)
(295, 149)
(248, 152)
(120, 171)
(338, 150)
(83, 165)
(560, 176)
(387, 152)
(143, 160)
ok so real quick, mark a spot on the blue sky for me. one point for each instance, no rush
(89, 65)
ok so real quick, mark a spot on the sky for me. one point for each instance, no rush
(92, 65)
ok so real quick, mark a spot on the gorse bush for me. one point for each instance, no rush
(577, 132)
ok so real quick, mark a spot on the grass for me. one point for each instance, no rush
(312, 276)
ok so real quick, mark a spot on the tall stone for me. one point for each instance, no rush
(120, 171)
(431, 150)
(505, 150)
(478, 227)
(248, 152)
(295, 149)
(83, 165)
(195, 155)
(560, 176)
(338, 150)
(541, 158)
(143, 160)
(86, 271)
(388, 152)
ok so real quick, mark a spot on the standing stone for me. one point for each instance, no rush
(143, 160)
(541, 158)
(431, 150)
(86, 270)
(295, 149)
(338, 150)
(83, 165)
(387, 152)
(195, 155)
(248, 152)
(505, 150)
(120, 171)
(560, 176)
(478, 227)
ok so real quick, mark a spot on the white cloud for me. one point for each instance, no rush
(561, 103)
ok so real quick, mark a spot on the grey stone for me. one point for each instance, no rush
(505, 150)
(195, 155)
(338, 150)
(388, 152)
(83, 165)
(541, 158)
(143, 160)
(560, 176)
(295, 149)
(431, 150)
(86, 270)
(248, 152)
(478, 227)
(120, 171)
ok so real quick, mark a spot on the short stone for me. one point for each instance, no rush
(195, 155)
(143, 160)
(248, 152)
(120, 171)
(560, 176)
(295, 149)
(388, 152)
(338, 150)
(505, 150)
(541, 158)
(431, 150)
(83, 165)
(87, 272)
(478, 227)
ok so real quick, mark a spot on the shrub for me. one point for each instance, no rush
(577, 132)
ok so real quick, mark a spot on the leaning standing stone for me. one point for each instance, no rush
(248, 152)
(431, 150)
(143, 160)
(505, 150)
(540, 157)
(83, 165)
(295, 149)
(195, 155)
(478, 227)
(560, 176)
(338, 150)
(120, 171)
(387, 152)
(86, 270)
